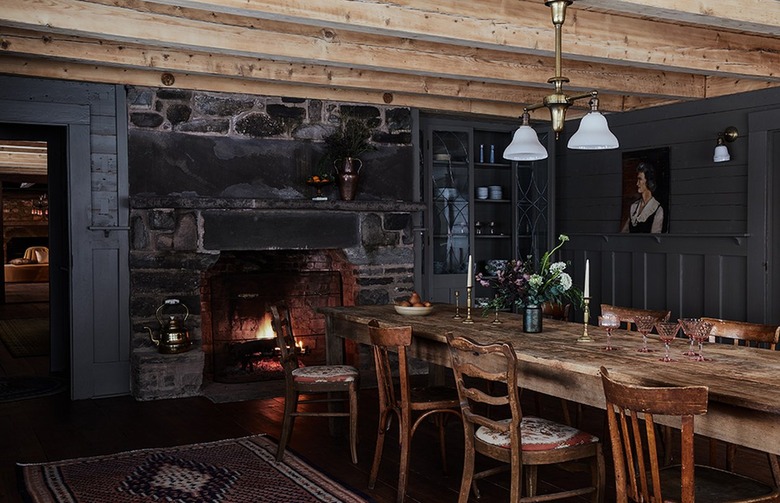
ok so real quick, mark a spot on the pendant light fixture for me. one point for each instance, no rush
(593, 134)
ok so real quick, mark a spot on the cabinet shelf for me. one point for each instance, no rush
(492, 236)
(492, 201)
(492, 165)
(451, 163)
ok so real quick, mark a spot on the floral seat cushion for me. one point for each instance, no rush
(325, 373)
(538, 434)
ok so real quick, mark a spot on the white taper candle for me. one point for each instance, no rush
(470, 273)
(586, 291)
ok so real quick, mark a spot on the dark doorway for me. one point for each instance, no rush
(41, 290)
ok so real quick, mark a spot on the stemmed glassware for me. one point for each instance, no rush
(645, 323)
(689, 326)
(609, 321)
(702, 334)
(667, 331)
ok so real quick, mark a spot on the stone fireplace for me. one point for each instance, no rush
(372, 264)
(222, 219)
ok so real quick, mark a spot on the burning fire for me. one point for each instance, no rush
(265, 329)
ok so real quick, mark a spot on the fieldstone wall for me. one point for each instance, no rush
(184, 142)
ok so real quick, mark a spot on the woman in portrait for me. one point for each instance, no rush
(646, 213)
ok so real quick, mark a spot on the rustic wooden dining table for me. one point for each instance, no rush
(744, 383)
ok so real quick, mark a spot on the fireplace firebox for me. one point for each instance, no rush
(243, 344)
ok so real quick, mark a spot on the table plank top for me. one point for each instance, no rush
(737, 376)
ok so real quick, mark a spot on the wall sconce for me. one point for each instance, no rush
(593, 134)
(721, 151)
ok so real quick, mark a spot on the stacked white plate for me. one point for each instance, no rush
(495, 192)
(482, 192)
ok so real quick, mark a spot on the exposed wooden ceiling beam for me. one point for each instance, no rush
(117, 54)
(481, 56)
(753, 16)
(305, 45)
(23, 157)
(520, 26)
(123, 75)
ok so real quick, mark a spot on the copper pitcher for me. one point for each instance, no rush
(348, 177)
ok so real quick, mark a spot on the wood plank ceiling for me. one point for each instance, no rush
(487, 57)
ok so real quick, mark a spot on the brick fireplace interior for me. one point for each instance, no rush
(237, 338)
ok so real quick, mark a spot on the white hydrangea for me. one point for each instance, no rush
(535, 280)
(565, 281)
(557, 267)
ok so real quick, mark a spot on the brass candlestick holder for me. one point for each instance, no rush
(468, 306)
(457, 306)
(585, 337)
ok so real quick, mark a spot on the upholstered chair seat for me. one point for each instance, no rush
(538, 434)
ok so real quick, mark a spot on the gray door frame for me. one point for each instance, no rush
(98, 324)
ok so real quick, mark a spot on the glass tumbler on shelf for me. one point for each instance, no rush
(667, 331)
(609, 321)
(688, 326)
(645, 323)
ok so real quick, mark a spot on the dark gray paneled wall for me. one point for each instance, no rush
(710, 263)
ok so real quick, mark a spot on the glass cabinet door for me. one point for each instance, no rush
(451, 199)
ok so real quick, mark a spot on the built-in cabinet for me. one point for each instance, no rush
(478, 204)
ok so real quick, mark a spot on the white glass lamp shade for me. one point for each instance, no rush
(721, 154)
(593, 134)
(525, 146)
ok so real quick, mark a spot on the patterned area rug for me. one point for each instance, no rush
(22, 388)
(26, 337)
(239, 470)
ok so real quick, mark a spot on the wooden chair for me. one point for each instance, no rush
(639, 476)
(626, 314)
(521, 442)
(315, 379)
(746, 334)
(410, 405)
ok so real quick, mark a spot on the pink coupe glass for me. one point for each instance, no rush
(609, 321)
(667, 331)
(689, 326)
(645, 323)
(702, 334)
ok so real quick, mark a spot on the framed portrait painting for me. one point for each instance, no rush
(645, 207)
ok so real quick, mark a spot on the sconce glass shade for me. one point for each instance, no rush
(525, 146)
(593, 134)
(721, 154)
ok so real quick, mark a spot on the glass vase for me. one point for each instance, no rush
(532, 319)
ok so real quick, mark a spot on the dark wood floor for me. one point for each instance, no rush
(54, 428)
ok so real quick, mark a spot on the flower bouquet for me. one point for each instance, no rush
(524, 284)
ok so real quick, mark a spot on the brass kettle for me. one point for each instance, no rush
(173, 338)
